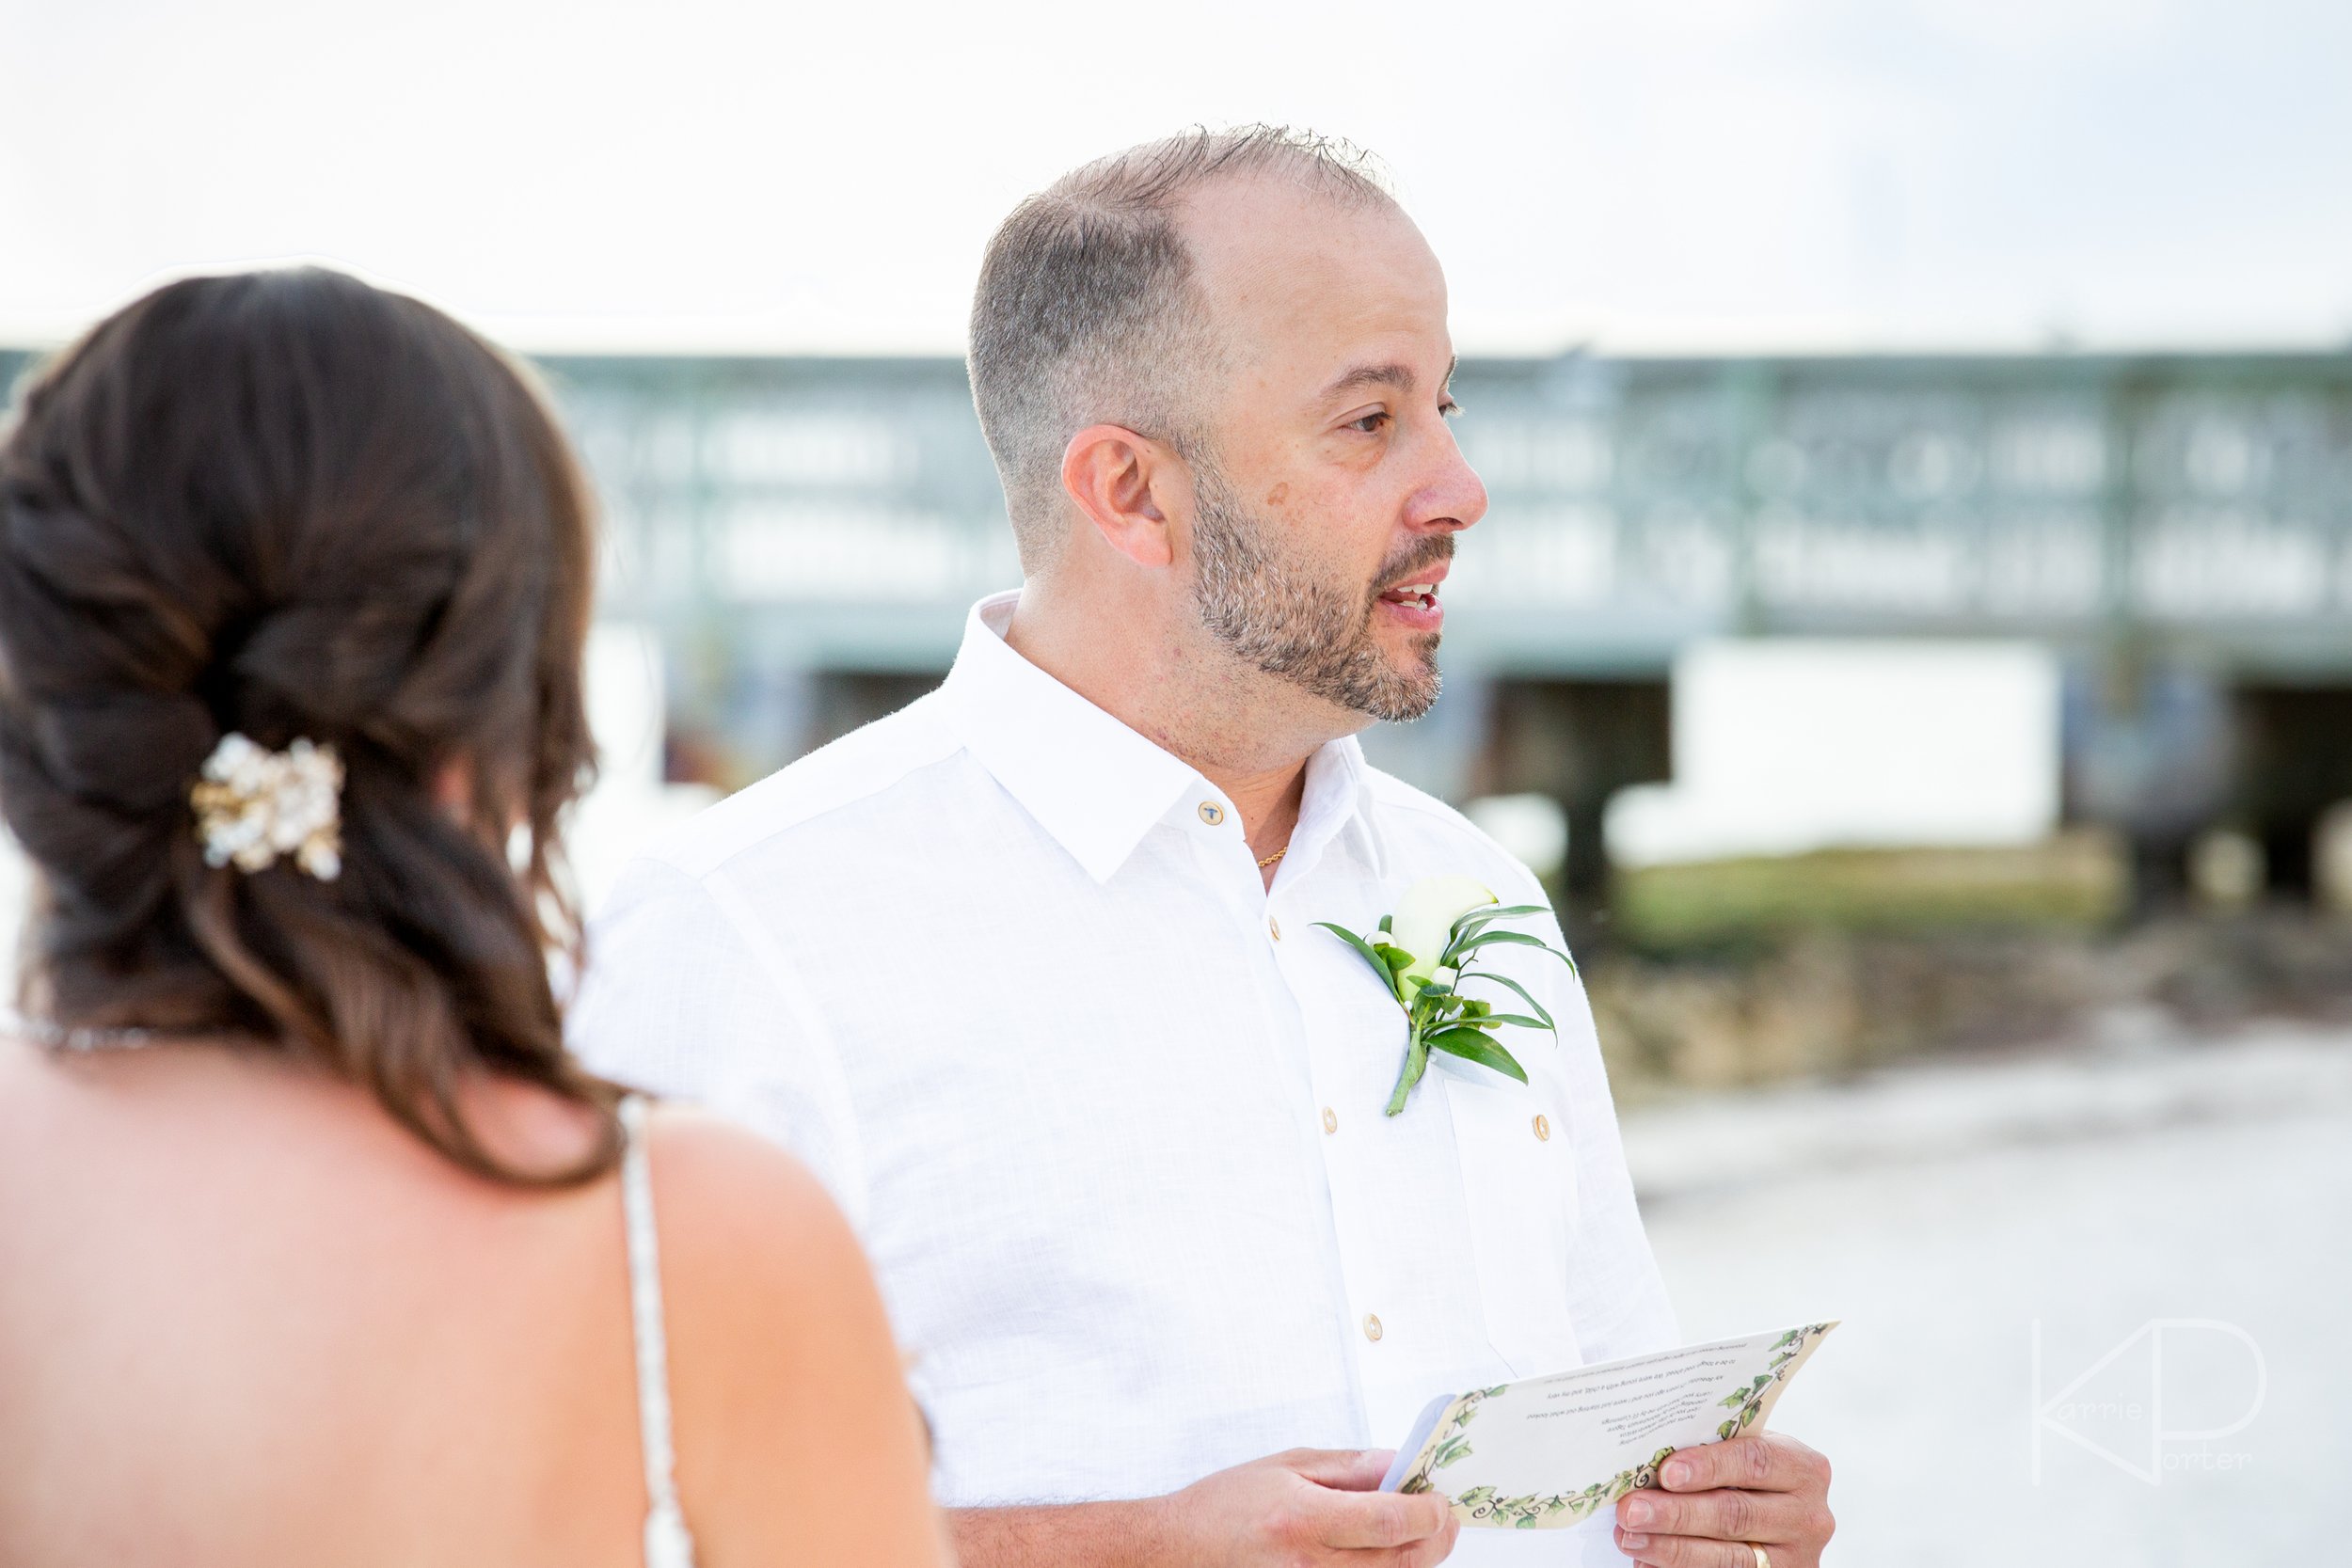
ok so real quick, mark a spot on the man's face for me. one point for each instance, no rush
(1327, 508)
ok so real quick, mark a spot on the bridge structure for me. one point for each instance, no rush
(2201, 504)
(805, 536)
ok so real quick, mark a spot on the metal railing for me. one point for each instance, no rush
(2205, 499)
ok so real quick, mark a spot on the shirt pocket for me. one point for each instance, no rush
(1519, 1185)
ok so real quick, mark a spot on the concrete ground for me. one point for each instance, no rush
(1944, 1211)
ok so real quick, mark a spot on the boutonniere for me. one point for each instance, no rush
(1424, 954)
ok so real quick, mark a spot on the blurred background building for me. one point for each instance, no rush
(1912, 634)
(1719, 608)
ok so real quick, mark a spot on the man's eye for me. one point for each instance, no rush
(1450, 409)
(1370, 424)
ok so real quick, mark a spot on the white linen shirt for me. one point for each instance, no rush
(1107, 1113)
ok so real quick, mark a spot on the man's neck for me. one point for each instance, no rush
(1268, 803)
(1194, 703)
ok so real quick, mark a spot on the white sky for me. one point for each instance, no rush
(1648, 174)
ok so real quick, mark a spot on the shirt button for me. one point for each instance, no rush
(1211, 813)
(1543, 1127)
(1371, 1326)
(1274, 925)
(1330, 1119)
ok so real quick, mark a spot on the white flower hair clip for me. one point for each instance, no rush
(254, 804)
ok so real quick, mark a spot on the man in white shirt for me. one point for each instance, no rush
(1029, 971)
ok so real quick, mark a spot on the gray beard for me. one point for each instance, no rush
(1315, 635)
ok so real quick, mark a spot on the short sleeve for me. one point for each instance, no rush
(685, 994)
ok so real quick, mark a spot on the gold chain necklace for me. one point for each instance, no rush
(1275, 856)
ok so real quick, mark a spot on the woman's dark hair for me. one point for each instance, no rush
(293, 505)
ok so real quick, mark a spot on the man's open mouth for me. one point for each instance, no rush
(1421, 594)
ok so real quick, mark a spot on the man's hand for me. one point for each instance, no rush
(1720, 1501)
(1309, 1506)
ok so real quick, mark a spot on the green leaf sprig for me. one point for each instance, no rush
(1428, 986)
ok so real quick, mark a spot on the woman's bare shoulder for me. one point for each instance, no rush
(785, 1376)
(744, 1219)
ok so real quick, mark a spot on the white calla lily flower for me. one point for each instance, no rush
(1424, 921)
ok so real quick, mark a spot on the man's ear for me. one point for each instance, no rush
(1118, 479)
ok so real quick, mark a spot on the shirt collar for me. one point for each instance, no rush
(1096, 786)
(1337, 798)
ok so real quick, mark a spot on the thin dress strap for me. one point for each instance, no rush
(667, 1543)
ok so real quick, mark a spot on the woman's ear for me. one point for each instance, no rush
(452, 789)
(1116, 479)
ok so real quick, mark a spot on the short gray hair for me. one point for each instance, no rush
(1088, 311)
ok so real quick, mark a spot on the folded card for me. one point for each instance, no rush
(1550, 1451)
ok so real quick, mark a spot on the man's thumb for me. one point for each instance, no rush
(1343, 1469)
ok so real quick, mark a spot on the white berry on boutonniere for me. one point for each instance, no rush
(1423, 954)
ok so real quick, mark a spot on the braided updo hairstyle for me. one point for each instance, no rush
(293, 505)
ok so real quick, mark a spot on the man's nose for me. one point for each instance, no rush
(1454, 496)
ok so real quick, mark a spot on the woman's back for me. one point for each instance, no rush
(245, 1319)
(232, 1278)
